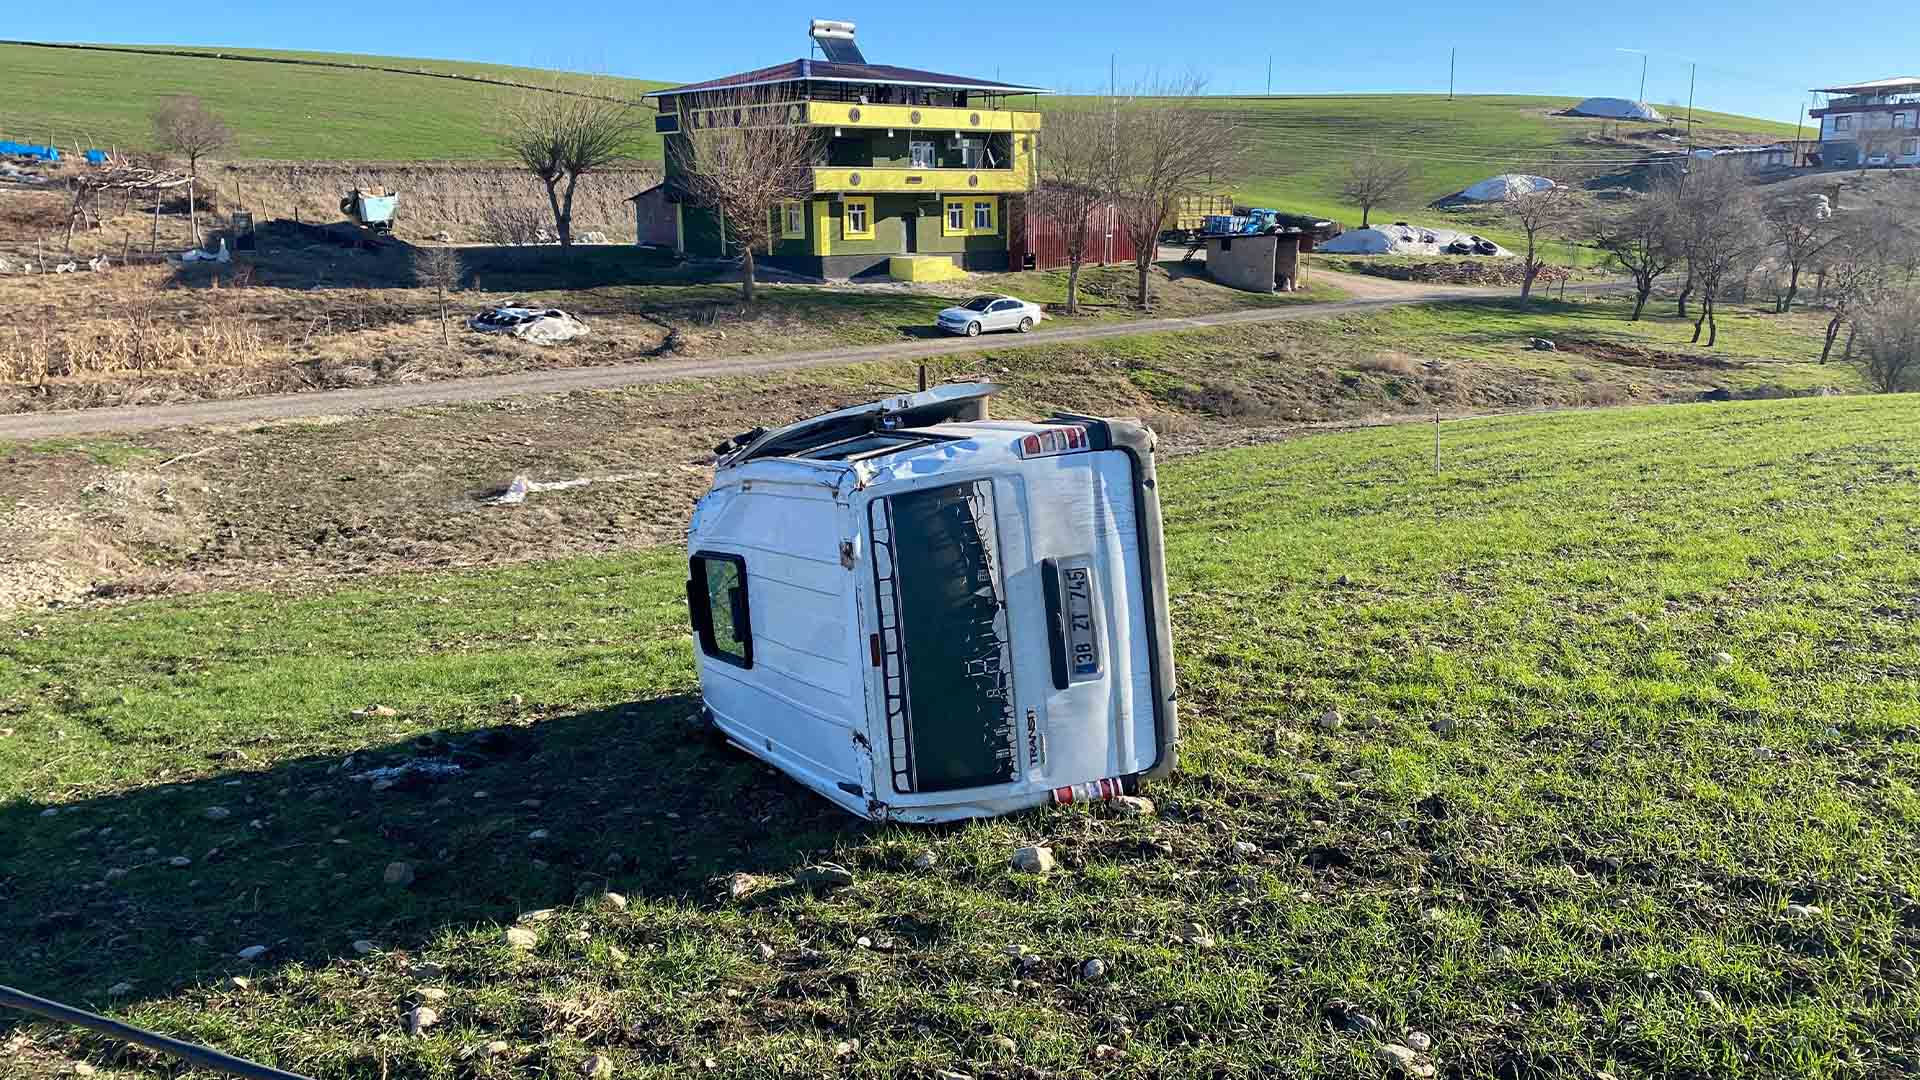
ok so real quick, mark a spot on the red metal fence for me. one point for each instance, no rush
(1029, 234)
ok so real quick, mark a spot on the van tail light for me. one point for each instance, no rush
(1056, 440)
(1097, 791)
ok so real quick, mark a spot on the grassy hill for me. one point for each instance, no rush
(289, 112)
(1624, 781)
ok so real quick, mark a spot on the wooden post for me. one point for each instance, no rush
(1436, 440)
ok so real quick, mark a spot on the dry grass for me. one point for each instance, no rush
(136, 333)
(467, 202)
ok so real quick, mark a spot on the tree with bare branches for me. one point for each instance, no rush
(1861, 264)
(1372, 180)
(1541, 215)
(439, 269)
(1641, 242)
(1800, 233)
(1889, 355)
(183, 125)
(743, 155)
(560, 137)
(1170, 145)
(1078, 161)
(1720, 233)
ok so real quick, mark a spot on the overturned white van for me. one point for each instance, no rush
(926, 615)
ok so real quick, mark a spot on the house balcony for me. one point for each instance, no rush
(845, 114)
(863, 180)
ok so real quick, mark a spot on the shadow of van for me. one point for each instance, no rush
(164, 885)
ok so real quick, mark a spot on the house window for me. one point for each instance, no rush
(717, 605)
(972, 217)
(857, 222)
(956, 217)
(922, 153)
(1903, 119)
(973, 153)
(793, 221)
(983, 217)
(1909, 147)
(1843, 123)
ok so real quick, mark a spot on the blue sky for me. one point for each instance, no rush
(1756, 57)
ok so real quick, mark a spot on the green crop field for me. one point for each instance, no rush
(1623, 774)
(1297, 145)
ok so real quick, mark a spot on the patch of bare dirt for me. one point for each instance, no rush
(1615, 352)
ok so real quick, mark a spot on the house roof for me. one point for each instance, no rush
(1894, 85)
(829, 71)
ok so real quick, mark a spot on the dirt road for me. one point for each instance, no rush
(1368, 294)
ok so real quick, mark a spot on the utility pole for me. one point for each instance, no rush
(1643, 78)
(1691, 76)
(1269, 74)
(1453, 55)
(1798, 125)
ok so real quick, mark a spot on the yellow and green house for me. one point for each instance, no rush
(907, 162)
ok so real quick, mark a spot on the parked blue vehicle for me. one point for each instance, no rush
(1252, 223)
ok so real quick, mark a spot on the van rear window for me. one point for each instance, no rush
(717, 603)
(946, 653)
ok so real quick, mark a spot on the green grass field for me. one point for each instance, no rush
(1298, 145)
(1625, 780)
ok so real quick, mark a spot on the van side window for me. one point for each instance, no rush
(717, 601)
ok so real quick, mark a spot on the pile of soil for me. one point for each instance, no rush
(1493, 272)
(1615, 352)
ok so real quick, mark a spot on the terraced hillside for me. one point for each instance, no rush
(293, 111)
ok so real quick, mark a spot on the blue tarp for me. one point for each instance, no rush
(40, 153)
(96, 157)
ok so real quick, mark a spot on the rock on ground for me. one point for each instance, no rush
(519, 937)
(1037, 859)
(1133, 805)
(398, 874)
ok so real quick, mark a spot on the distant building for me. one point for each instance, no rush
(1874, 123)
(908, 163)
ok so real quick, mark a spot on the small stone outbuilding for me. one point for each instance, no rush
(1266, 262)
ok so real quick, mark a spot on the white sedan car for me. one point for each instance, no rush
(989, 313)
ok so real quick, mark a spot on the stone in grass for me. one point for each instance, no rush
(1329, 720)
(1723, 659)
(597, 1067)
(1395, 1056)
(216, 813)
(179, 862)
(120, 989)
(521, 938)
(363, 947)
(1035, 859)
(846, 1048)
(739, 886)
(538, 835)
(1133, 805)
(613, 901)
(432, 993)
(951, 1074)
(1419, 1041)
(1005, 1045)
(925, 861)
(1196, 935)
(1802, 911)
(398, 874)
(1245, 850)
(422, 1018)
(252, 952)
(1094, 970)
(764, 953)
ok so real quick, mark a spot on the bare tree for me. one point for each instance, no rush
(1801, 228)
(561, 137)
(743, 154)
(439, 269)
(1372, 180)
(1890, 341)
(1078, 161)
(184, 126)
(1169, 145)
(1540, 215)
(1721, 235)
(1641, 242)
(1858, 267)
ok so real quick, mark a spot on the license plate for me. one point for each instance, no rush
(1083, 637)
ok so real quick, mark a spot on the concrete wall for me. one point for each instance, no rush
(1243, 262)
